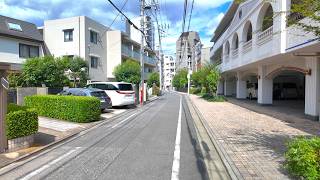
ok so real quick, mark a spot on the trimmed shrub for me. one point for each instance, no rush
(156, 91)
(21, 121)
(303, 157)
(79, 109)
(212, 98)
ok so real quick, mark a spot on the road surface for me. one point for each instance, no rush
(152, 142)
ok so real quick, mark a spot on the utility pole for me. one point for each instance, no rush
(142, 8)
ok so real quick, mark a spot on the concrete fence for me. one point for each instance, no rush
(29, 91)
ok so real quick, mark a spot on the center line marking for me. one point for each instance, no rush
(176, 154)
(38, 171)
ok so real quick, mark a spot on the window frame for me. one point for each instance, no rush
(70, 32)
(28, 50)
(96, 64)
(93, 37)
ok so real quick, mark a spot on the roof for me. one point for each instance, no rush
(225, 22)
(29, 30)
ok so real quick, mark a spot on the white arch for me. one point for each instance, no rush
(245, 31)
(235, 41)
(262, 14)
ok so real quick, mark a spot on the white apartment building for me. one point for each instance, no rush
(205, 56)
(19, 40)
(102, 47)
(254, 44)
(169, 71)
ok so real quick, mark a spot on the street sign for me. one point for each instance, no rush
(4, 83)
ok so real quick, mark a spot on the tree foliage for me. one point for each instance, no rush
(129, 71)
(47, 70)
(207, 77)
(180, 80)
(154, 79)
(77, 69)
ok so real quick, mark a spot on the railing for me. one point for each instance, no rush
(265, 35)
(127, 51)
(247, 46)
(235, 52)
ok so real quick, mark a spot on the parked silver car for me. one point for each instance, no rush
(100, 94)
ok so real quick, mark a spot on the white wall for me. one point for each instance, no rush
(113, 51)
(9, 51)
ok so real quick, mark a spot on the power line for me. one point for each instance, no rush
(190, 15)
(125, 3)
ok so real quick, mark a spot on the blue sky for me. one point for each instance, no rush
(206, 15)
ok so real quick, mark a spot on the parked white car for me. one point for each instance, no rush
(121, 93)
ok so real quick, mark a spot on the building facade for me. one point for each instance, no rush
(205, 56)
(187, 53)
(254, 45)
(149, 31)
(100, 46)
(169, 71)
(19, 40)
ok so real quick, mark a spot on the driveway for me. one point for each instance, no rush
(254, 141)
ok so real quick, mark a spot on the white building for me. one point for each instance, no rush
(169, 71)
(254, 44)
(205, 56)
(149, 31)
(19, 40)
(102, 47)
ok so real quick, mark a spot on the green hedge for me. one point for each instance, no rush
(303, 157)
(21, 121)
(70, 108)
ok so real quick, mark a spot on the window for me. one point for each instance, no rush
(68, 35)
(28, 51)
(94, 62)
(14, 26)
(93, 37)
(240, 14)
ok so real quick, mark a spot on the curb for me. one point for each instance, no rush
(228, 163)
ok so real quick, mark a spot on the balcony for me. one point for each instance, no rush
(247, 46)
(127, 51)
(235, 53)
(265, 36)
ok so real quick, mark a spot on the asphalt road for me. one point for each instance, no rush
(147, 143)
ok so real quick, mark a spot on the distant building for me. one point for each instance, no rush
(102, 47)
(187, 49)
(149, 31)
(205, 56)
(19, 40)
(169, 70)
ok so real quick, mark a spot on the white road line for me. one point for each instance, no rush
(176, 154)
(38, 171)
(119, 123)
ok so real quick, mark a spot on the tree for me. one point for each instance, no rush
(45, 70)
(77, 69)
(129, 71)
(213, 80)
(180, 80)
(154, 79)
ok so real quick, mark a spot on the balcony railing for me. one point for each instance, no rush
(247, 46)
(235, 53)
(265, 36)
(127, 51)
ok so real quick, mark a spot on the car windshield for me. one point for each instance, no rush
(125, 87)
(98, 94)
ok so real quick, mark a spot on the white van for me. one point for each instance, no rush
(121, 93)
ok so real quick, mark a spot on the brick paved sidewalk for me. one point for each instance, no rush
(254, 142)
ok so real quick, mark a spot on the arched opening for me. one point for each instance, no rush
(247, 32)
(227, 48)
(265, 20)
(235, 41)
(268, 19)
